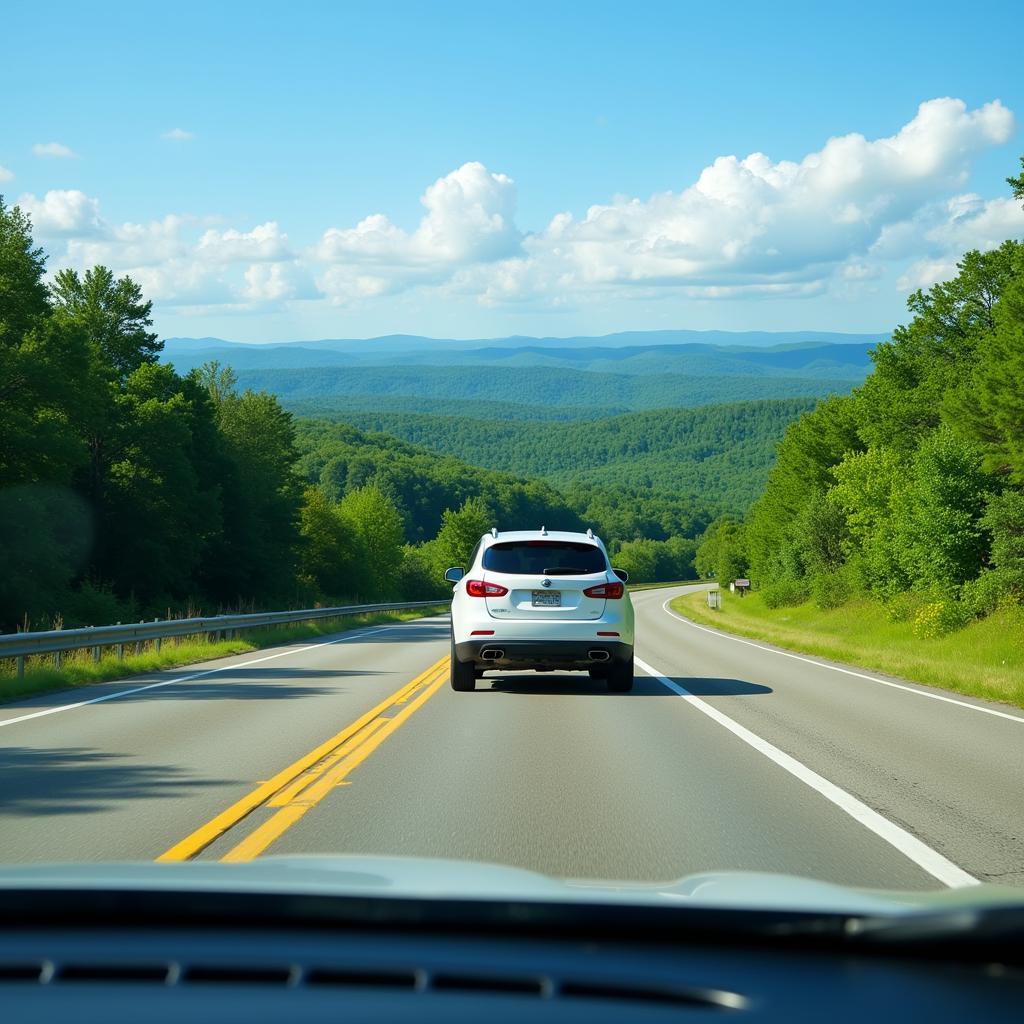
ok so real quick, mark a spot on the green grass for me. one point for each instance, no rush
(78, 669)
(984, 659)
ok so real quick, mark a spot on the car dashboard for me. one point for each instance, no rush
(131, 956)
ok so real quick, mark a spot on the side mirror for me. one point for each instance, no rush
(455, 574)
(622, 574)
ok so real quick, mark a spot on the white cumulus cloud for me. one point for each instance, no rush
(5, 174)
(63, 213)
(470, 219)
(54, 149)
(178, 135)
(264, 242)
(130, 245)
(752, 223)
(272, 282)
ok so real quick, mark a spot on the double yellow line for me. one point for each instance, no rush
(304, 783)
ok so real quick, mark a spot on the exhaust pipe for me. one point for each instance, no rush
(492, 654)
(598, 655)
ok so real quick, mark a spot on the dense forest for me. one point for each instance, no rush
(911, 489)
(339, 408)
(722, 450)
(529, 385)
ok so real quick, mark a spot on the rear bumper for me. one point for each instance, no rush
(577, 654)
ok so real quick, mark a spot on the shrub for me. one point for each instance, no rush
(831, 589)
(937, 618)
(96, 605)
(903, 607)
(785, 593)
(993, 589)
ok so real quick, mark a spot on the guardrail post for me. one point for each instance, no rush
(56, 659)
(120, 652)
(21, 666)
(158, 641)
(96, 654)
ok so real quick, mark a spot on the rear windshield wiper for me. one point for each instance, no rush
(569, 570)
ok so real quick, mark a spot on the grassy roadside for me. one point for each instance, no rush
(78, 669)
(985, 659)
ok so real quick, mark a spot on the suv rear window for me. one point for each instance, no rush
(553, 557)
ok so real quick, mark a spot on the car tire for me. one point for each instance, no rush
(462, 674)
(620, 676)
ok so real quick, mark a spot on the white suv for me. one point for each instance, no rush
(543, 601)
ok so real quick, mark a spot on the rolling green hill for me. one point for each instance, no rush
(720, 453)
(340, 408)
(422, 483)
(529, 385)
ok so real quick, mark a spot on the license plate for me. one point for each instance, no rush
(547, 599)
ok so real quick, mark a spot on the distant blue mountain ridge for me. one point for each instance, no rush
(805, 354)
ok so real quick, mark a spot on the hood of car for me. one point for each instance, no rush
(430, 878)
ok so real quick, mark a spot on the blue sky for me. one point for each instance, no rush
(566, 152)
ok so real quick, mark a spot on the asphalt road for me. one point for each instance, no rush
(728, 755)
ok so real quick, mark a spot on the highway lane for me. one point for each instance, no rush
(128, 777)
(544, 771)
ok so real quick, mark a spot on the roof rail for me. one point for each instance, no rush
(494, 532)
(543, 531)
(590, 533)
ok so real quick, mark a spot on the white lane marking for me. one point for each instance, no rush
(196, 675)
(910, 846)
(845, 671)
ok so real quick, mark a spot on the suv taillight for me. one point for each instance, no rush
(477, 588)
(610, 591)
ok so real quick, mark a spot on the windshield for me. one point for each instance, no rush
(535, 557)
(704, 325)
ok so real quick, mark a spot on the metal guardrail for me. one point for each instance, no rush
(56, 641)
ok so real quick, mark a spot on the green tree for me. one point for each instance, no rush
(723, 551)
(1017, 183)
(46, 530)
(262, 493)
(47, 533)
(378, 525)
(1004, 520)
(640, 559)
(418, 579)
(869, 491)
(459, 534)
(330, 556)
(820, 535)
(938, 522)
(159, 510)
(24, 298)
(804, 470)
(42, 366)
(988, 405)
(901, 400)
(114, 315)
